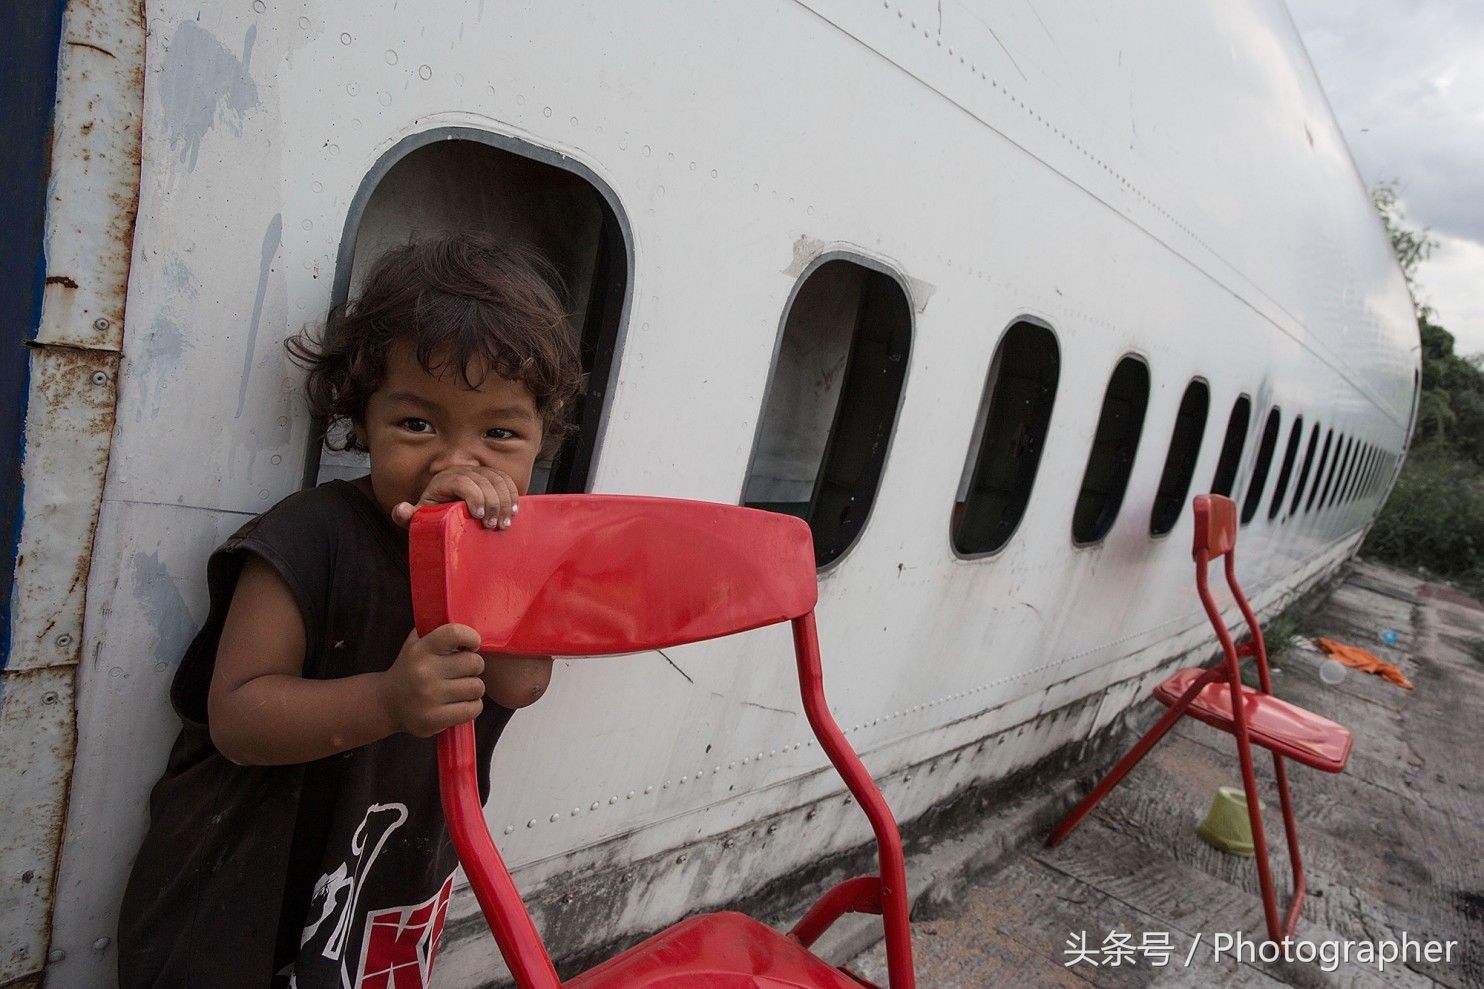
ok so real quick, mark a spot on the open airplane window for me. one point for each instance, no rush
(463, 180)
(1185, 449)
(1009, 437)
(1231, 447)
(1264, 462)
(1303, 479)
(831, 401)
(1319, 471)
(1114, 445)
(1295, 436)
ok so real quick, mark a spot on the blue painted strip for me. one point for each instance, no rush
(30, 51)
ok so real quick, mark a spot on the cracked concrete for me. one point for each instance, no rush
(1394, 844)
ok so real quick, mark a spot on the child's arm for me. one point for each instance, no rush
(514, 681)
(263, 711)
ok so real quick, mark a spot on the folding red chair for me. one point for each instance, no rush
(1253, 715)
(583, 575)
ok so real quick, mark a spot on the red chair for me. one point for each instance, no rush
(1253, 715)
(583, 575)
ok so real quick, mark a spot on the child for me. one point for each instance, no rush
(296, 838)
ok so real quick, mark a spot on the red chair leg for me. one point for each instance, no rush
(1131, 758)
(1116, 774)
(1259, 837)
(1290, 832)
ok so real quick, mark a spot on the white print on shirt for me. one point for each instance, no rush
(339, 891)
(399, 945)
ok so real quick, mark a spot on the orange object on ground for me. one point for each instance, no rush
(1358, 659)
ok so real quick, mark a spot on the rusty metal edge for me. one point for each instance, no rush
(90, 223)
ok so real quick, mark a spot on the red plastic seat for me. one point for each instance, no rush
(1250, 715)
(583, 575)
(715, 951)
(1273, 723)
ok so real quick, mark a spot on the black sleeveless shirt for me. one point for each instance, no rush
(323, 874)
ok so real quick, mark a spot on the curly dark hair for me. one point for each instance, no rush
(463, 301)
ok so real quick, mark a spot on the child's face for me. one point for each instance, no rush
(419, 424)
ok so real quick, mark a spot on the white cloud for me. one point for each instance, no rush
(1406, 81)
(1450, 282)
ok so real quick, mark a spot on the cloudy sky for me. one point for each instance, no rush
(1406, 80)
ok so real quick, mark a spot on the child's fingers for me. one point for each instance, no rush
(456, 714)
(402, 513)
(508, 495)
(468, 487)
(491, 493)
(445, 716)
(452, 638)
(468, 688)
(460, 666)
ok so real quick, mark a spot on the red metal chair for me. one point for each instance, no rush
(1218, 697)
(590, 575)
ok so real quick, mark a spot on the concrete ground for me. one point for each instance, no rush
(1394, 844)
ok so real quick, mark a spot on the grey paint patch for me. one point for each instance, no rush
(919, 290)
(203, 83)
(271, 238)
(807, 249)
(180, 278)
(163, 348)
(160, 600)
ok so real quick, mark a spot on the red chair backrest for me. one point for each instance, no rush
(587, 575)
(1215, 525)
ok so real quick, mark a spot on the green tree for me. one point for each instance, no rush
(1411, 247)
(1435, 516)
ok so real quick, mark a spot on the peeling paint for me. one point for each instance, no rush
(92, 200)
(94, 189)
(35, 762)
(204, 84)
(806, 249)
(69, 426)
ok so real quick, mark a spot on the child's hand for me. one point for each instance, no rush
(490, 494)
(435, 681)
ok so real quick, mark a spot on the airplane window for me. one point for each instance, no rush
(1231, 447)
(1350, 474)
(831, 402)
(463, 180)
(1342, 472)
(1319, 471)
(1295, 436)
(1342, 450)
(1008, 439)
(1303, 479)
(1185, 449)
(1264, 462)
(1357, 472)
(1363, 488)
(1114, 445)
